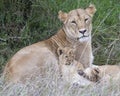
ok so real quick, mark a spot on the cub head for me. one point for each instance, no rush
(78, 23)
(66, 55)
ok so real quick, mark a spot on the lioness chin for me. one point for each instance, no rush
(76, 32)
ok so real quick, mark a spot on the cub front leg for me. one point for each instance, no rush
(91, 73)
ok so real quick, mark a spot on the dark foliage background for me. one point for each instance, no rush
(24, 22)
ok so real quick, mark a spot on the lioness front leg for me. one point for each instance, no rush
(90, 73)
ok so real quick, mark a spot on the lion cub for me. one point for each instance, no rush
(73, 71)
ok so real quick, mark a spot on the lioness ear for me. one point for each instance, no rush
(62, 16)
(91, 10)
(59, 51)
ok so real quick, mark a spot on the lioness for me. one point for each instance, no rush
(73, 71)
(76, 31)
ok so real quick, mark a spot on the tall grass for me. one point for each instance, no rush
(52, 85)
(23, 22)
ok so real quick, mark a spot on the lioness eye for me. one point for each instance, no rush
(86, 19)
(73, 22)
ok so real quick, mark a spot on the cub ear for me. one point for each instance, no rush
(59, 51)
(91, 10)
(71, 51)
(62, 16)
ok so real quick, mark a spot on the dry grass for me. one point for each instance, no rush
(53, 85)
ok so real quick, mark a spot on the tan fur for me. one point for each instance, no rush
(25, 61)
(67, 58)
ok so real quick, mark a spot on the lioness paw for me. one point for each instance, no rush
(92, 74)
(95, 74)
(96, 71)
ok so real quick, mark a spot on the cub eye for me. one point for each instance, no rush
(86, 19)
(73, 22)
(66, 56)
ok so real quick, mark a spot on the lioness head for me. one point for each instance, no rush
(77, 23)
(66, 55)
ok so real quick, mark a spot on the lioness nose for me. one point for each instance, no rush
(82, 31)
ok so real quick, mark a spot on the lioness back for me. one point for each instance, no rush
(29, 59)
(110, 70)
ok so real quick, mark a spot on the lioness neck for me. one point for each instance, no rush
(58, 40)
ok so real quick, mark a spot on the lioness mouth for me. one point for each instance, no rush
(82, 37)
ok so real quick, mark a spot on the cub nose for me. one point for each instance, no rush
(82, 31)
